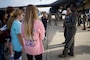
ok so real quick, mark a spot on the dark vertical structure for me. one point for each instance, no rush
(84, 17)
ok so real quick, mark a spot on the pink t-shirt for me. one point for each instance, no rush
(38, 35)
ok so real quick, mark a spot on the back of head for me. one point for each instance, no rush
(16, 12)
(9, 10)
(30, 15)
(12, 17)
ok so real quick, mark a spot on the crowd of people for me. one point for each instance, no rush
(23, 31)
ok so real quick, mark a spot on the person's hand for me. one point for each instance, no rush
(47, 21)
(63, 25)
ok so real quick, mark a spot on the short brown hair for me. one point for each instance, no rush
(9, 10)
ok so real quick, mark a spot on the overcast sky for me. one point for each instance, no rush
(5, 3)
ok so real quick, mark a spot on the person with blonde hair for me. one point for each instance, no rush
(44, 21)
(15, 31)
(33, 33)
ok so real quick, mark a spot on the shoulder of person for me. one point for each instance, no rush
(38, 24)
(38, 21)
(17, 22)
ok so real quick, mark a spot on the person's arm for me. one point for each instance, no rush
(20, 39)
(18, 32)
(47, 19)
(64, 22)
(41, 18)
(41, 31)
